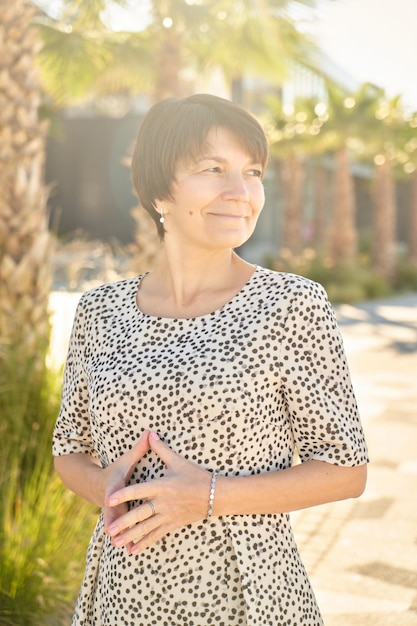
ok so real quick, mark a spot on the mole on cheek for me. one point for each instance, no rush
(190, 213)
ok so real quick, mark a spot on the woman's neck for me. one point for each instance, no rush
(188, 287)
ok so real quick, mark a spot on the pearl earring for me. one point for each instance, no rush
(162, 218)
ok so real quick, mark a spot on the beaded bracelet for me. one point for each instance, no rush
(211, 496)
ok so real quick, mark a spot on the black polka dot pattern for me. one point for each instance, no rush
(236, 390)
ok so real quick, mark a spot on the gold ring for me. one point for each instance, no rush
(151, 504)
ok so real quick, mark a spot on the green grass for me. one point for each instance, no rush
(44, 529)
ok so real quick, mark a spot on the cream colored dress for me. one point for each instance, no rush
(236, 391)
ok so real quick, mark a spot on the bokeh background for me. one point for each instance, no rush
(334, 84)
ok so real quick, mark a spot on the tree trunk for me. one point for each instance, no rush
(412, 221)
(383, 221)
(342, 233)
(319, 223)
(292, 175)
(25, 243)
(237, 90)
(168, 68)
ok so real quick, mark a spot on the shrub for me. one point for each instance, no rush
(344, 283)
(405, 278)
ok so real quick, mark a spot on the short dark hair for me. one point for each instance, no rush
(175, 130)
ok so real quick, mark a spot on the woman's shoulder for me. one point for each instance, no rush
(110, 294)
(289, 285)
(291, 296)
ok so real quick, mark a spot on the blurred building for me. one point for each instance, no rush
(87, 164)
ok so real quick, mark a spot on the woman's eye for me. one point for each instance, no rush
(256, 173)
(215, 169)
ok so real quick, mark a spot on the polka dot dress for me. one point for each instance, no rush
(236, 390)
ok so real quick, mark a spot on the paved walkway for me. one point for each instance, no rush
(361, 554)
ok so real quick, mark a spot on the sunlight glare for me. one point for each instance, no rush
(132, 17)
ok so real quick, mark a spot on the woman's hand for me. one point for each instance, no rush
(116, 476)
(178, 499)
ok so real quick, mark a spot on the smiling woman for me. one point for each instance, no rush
(216, 199)
(185, 141)
(187, 391)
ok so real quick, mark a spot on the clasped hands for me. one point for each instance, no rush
(178, 498)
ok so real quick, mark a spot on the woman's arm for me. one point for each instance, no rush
(181, 496)
(83, 475)
(304, 485)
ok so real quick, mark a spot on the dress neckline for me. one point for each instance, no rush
(195, 317)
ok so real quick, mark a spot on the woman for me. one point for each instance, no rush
(187, 390)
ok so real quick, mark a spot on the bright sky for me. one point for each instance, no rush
(373, 40)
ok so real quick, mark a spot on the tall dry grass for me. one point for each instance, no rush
(44, 529)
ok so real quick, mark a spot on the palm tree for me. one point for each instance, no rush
(321, 184)
(412, 220)
(409, 170)
(293, 135)
(82, 57)
(25, 243)
(342, 240)
(351, 120)
(183, 39)
(388, 144)
(383, 217)
(244, 38)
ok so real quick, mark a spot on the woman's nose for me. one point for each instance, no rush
(236, 188)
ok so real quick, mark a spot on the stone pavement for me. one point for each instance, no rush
(361, 554)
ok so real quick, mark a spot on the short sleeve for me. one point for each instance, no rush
(316, 382)
(72, 429)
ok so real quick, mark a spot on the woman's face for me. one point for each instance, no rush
(217, 198)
